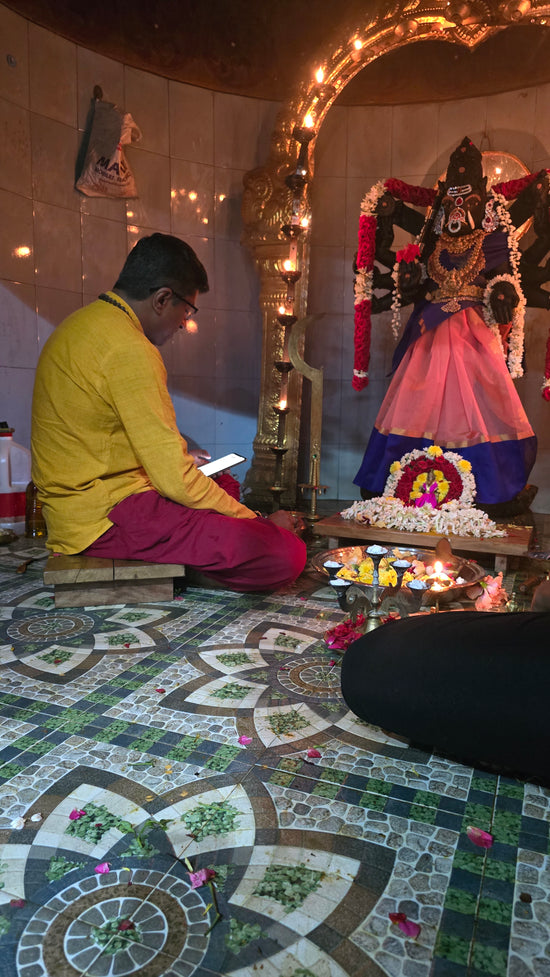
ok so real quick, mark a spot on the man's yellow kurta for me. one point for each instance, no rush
(117, 434)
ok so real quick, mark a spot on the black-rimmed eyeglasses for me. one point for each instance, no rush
(192, 308)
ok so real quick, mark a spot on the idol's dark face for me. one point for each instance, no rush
(464, 208)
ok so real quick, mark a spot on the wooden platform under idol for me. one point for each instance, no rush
(515, 543)
(85, 581)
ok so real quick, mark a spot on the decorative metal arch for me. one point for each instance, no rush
(267, 200)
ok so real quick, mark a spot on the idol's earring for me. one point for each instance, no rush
(490, 220)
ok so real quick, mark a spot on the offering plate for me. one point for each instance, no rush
(470, 571)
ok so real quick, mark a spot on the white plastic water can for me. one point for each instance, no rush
(15, 474)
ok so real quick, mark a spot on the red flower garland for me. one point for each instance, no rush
(410, 194)
(411, 472)
(420, 196)
(367, 239)
(512, 188)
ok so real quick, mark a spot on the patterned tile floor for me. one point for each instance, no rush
(121, 750)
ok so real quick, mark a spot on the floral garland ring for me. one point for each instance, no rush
(411, 478)
(427, 491)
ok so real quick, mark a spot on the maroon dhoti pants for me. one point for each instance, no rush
(242, 554)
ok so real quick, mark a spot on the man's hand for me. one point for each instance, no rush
(200, 456)
(292, 521)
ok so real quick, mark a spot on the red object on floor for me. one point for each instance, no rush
(241, 554)
(12, 504)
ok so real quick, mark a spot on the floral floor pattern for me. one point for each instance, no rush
(184, 792)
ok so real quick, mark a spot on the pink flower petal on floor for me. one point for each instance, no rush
(313, 754)
(481, 838)
(244, 740)
(409, 928)
(102, 869)
(397, 917)
(160, 690)
(332, 663)
(76, 814)
(17, 903)
(201, 877)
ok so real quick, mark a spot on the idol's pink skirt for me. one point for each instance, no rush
(452, 387)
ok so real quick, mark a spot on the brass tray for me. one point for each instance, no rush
(469, 570)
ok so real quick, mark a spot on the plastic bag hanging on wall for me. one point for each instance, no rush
(104, 171)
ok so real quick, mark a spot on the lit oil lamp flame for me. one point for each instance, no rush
(308, 121)
(439, 580)
(289, 265)
(319, 76)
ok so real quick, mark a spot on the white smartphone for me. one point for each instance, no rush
(221, 464)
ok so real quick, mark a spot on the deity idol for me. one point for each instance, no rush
(463, 343)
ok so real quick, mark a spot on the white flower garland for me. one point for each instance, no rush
(516, 338)
(433, 452)
(395, 302)
(452, 519)
(364, 277)
(396, 297)
(371, 198)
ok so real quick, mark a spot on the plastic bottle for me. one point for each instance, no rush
(15, 471)
(35, 524)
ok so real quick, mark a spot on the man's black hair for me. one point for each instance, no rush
(158, 260)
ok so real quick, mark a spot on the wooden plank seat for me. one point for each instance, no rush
(79, 581)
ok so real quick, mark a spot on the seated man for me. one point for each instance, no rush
(113, 473)
(470, 685)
